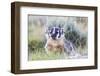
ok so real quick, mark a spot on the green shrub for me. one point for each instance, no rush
(75, 36)
(35, 45)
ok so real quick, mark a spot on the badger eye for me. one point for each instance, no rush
(50, 32)
(57, 31)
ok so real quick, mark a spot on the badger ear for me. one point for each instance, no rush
(59, 26)
(63, 31)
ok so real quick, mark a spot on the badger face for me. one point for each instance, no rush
(55, 32)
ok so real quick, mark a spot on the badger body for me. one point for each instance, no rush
(56, 42)
(55, 45)
(54, 36)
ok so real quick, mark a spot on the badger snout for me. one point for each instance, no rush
(53, 36)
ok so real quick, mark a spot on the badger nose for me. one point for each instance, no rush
(53, 37)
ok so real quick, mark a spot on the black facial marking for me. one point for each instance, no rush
(55, 32)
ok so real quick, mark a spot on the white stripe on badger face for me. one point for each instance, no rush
(53, 30)
(58, 34)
